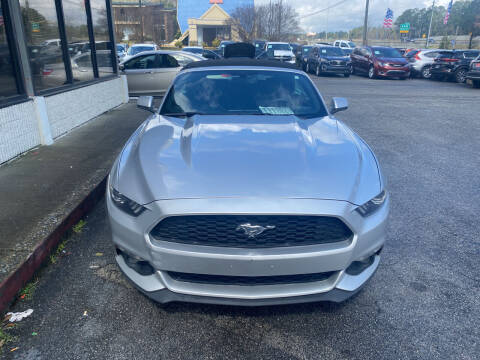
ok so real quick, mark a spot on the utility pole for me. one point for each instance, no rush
(365, 24)
(430, 27)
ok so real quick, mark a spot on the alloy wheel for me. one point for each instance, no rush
(461, 76)
(371, 72)
(426, 74)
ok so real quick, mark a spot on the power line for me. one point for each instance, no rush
(322, 10)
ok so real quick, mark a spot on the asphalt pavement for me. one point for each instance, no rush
(423, 302)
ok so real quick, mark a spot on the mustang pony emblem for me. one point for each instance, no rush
(253, 230)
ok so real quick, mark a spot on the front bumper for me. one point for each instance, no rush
(336, 69)
(132, 235)
(473, 75)
(393, 71)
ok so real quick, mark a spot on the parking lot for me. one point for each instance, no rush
(423, 302)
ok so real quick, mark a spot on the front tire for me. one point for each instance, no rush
(461, 76)
(317, 71)
(308, 68)
(371, 72)
(426, 73)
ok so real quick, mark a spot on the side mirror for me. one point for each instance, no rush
(338, 104)
(121, 67)
(145, 103)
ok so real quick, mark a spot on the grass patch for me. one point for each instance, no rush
(5, 338)
(29, 290)
(58, 252)
(77, 228)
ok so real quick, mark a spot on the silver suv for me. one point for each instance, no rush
(422, 62)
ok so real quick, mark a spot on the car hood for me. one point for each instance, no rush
(399, 61)
(246, 156)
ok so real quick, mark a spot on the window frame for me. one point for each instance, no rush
(71, 84)
(14, 53)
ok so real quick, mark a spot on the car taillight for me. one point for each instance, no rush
(417, 57)
(449, 60)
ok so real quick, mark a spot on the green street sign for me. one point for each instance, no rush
(35, 27)
(404, 28)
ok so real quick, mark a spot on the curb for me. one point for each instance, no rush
(10, 287)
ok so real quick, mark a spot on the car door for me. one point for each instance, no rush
(355, 58)
(140, 73)
(364, 59)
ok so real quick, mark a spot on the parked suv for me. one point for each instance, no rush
(421, 62)
(302, 56)
(474, 73)
(379, 61)
(453, 64)
(324, 59)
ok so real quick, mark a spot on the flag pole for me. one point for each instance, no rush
(430, 27)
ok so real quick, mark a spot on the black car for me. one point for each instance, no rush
(301, 55)
(324, 59)
(474, 74)
(453, 64)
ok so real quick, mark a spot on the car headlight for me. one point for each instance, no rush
(382, 64)
(373, 205)
(125, 204)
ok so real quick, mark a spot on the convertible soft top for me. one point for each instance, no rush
(240, 62)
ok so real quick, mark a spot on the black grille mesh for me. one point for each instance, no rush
(223, 231)
(249, 280)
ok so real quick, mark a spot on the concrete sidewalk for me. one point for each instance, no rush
(41, 190)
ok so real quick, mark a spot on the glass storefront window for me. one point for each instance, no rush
(43, 43)
(8, 85)
(77, 38)
(103, 44)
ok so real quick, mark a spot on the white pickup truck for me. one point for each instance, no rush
(344, 44)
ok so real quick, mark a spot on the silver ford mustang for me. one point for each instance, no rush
(242, 188)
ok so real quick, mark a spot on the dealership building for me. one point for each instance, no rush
(58, 69)
(202, 21)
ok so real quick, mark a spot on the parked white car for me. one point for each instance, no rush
(344, 44)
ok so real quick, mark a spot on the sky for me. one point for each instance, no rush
(350, 14)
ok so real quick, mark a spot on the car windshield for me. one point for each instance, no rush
(331, 51)
(279, 47)
(352, 44)
(387, 53)
(120, 48)
(138, 49)
(243, 92)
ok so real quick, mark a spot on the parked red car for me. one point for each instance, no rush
(379, 61)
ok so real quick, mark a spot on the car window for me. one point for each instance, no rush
(331, 51)
(387, 53)
(254, 92)
(138, 49)
(432, 54)
(181, 60)
(279, 47)
(142, 62)
(470, 55)
(343, 45)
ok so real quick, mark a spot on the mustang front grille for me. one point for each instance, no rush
(251, 231)
(249, 280)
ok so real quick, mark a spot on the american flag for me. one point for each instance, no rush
(447, 15)
(388, 21)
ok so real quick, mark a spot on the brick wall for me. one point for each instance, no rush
(20, 124)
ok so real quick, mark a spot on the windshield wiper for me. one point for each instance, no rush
(183, 114)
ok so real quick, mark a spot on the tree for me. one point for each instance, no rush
(273, 21)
